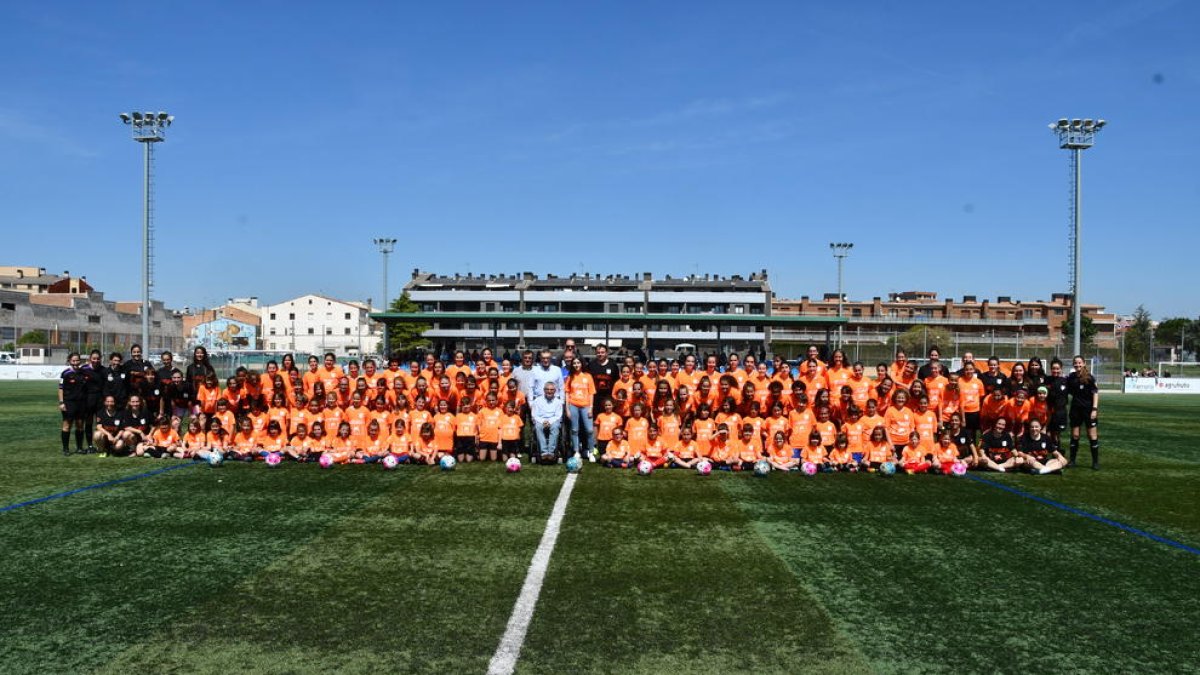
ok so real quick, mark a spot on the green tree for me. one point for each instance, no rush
(33, 337)
(1178, 331)
(1138, 336)
(8, 347)
(916, 340)
(404, 336)
(1087, 332)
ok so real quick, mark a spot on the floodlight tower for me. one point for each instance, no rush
(1076, 135)
(148, 128)
(386, 246)
(840, 251)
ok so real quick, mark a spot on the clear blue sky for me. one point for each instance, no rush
(605, 137)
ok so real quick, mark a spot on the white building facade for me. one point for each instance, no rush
(315, 324)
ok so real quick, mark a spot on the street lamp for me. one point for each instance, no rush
(148, 128)
(1076, 135)
(386, 246)
(840, 251)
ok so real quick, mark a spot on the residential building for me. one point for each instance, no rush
(314, 324)
(81, 321)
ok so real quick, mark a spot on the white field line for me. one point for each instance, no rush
(504, 661)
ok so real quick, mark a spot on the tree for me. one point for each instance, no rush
(1087, 332)
(916, 340)
(33, 337)
(405, 336)
(1138, 336)
(1178, 331)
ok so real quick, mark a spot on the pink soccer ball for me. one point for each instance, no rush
(513, 465)
(809, 469)
(704, 467)
(273, 459)
(326, 461)
(959, 468)
(390, 462)
(645, 468)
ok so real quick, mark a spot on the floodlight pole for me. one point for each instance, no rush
(148, 128)
(386, 246)
(840, 251)
(1076, 135)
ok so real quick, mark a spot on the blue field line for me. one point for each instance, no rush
(97, 486)
(1091, 516)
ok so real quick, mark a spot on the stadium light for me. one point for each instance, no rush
(840, 251)
(1076, 136)
(386, 246)
(148, 129)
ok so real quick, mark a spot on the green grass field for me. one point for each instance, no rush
(245, 568)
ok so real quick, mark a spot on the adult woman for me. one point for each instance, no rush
(581, 392)
(199, 369)
(1085, 409)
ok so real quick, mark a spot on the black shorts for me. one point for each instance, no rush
(999, 457)
(74, 410)
(464, 445)
(971, 421)
(511, 447)
(1082, 417)
(1059, 422)
(487, 447)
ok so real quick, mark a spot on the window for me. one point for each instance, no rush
(272, 331)
(310, 331)
(347, 316)
(310, 301)
(329, 316)
(291, 316)
(272, 316)
(311, 316)
(328, 331)
(347, 331)
(93, 318)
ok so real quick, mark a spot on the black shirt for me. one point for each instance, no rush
(197, 373)
(926, 371)
(604, 376)
(963, 441)
(95, 382)
(111, 421)
(73, 382)
(1057, 393)
(1039, 448)
(1082, 393)
(1012, 385)
(992, 382)
(116, 384)
(997, 444)
(138, 420)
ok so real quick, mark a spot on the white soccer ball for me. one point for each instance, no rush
(513, 465)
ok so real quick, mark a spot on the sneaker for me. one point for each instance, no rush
(91, 449)
(1095, 466)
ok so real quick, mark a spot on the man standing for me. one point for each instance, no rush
(523, 374)
(547, 413)
(546, 373)
(604, 373)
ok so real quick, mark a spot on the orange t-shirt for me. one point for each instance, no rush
(637, 431)
(899, 423)
(686, 450)
(163, 439)
(705, 431)
(828, 431)
(489, 424)
(580, 390)
(801, 424)
(970, 394)
(466, 425)
(927, 425)
(879, 452)
(668, 429)
(443, 432)
(605, 423)
(816, 455)
(617, 450)
(510, 427)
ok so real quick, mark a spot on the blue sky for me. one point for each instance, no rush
(605, 137)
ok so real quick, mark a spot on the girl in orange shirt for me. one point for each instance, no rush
(951, 402)
(466, 431)
(343, 446)
(423, 450)
(490, 418)
(243, 444)
(878, 450)
(899, 421)
(826, 428)
(637, 429)
(193, 442)
(605, 423)
(814, 452)
(443, 428)
(728, 415)
(373, 446)
(705, 429)
(617, 453)
(273, 440)
(669, 425)
(916, 457)
(295, 449)
(581, 392)
(780, 453)
(216, 438)
(163, 441)
(510, 431)
(686, 452)
(655, 452)
(398, 443)
(840, 458)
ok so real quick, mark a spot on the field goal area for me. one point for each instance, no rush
(1178, 368)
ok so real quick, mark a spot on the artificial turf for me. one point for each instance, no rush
(355, 569)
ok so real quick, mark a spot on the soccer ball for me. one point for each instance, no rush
(326, 460)
(448, 463)
(513, 464)
(273, 459)
(645, 468)
(574, 464)
(704, 467)
(887, 468)
(762, 468)
(959, 468)
(809, 469)
(215, 458)
(390, 462)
